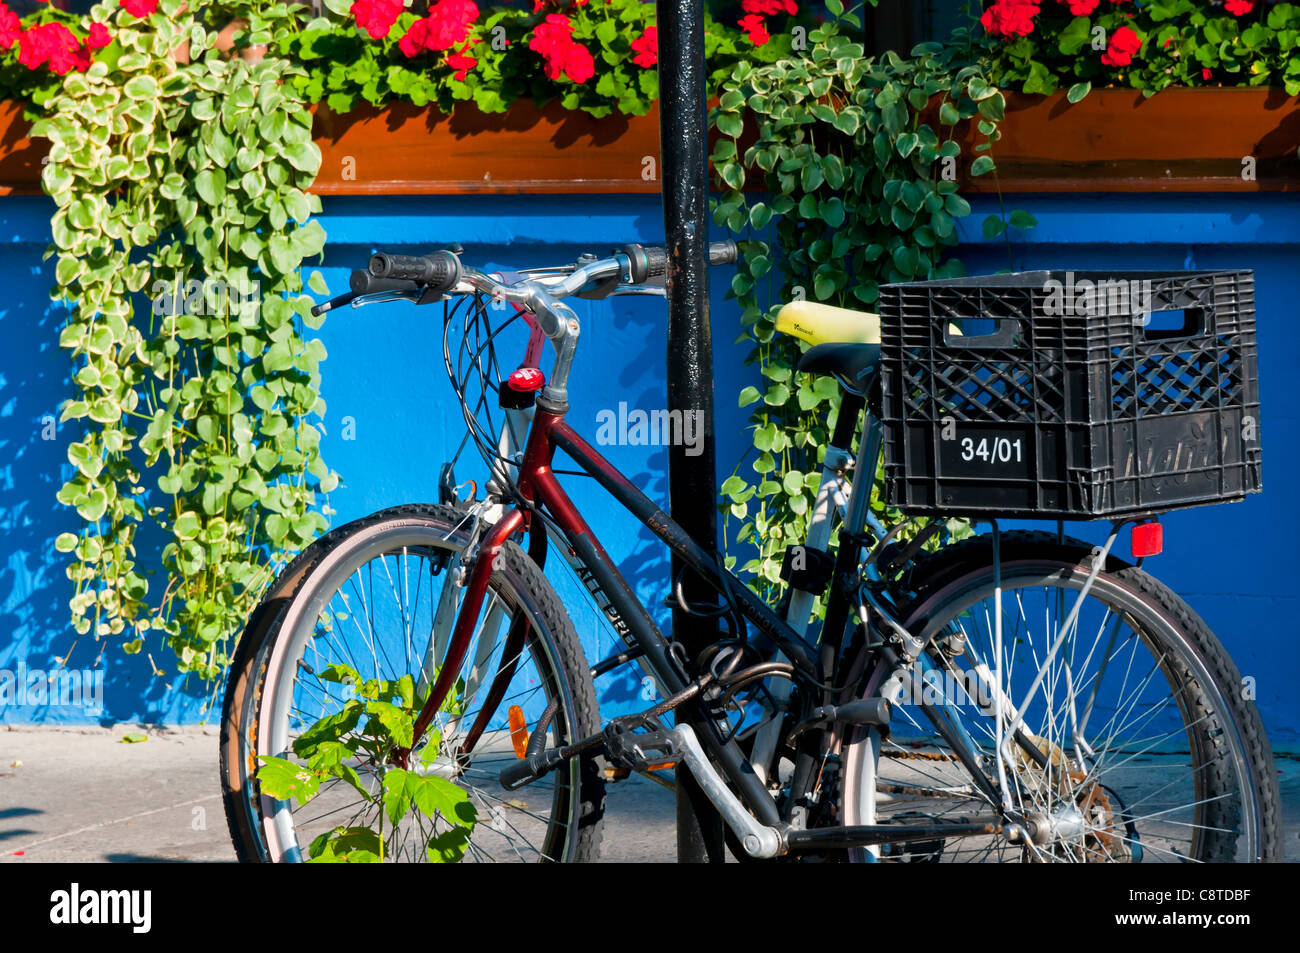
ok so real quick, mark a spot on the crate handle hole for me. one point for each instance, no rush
(981, 332)
(1173, 323)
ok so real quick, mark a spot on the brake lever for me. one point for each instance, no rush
(355, 300)
(380, 297)
(654, 291)
(318, 309)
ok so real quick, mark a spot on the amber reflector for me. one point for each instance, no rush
(518, 731)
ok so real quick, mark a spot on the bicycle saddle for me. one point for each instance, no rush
(824, 324)
(854, 364)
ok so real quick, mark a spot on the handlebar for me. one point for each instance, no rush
(425, 278)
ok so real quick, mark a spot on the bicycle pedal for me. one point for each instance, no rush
(638, 743)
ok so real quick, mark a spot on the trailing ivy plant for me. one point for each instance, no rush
(853, 178)
(180, 228)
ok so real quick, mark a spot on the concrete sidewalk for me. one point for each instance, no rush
(79, 795)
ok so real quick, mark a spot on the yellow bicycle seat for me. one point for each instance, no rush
(823, 324)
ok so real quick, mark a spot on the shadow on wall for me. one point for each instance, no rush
(35, 632)
(390, 423)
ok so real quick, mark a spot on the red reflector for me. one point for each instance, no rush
(525, 379)
(1148, 540)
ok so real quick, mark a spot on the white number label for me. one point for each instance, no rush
(998, 450)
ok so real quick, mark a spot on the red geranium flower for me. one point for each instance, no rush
(1239, 8)
(756, 28)
(768, 8)
(561, 55)
(646, 47)
(139, 8)
(99, 37)
(447, 24)
(579, 65)
(10, 28)
(1080, 8)
(376, 17)
(459, 60)
(1010, 18)
(1206, 72)
(53, 44)
(1120, 48)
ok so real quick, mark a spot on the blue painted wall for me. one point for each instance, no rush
(1235, 564)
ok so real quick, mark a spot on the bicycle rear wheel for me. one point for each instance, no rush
(379, 596)
(1136, 744)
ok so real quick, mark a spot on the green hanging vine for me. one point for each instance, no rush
(181, 225)
(855, 166)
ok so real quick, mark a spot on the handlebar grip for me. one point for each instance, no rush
(652, 261)
(439, 270)
(363, 282)
(656, 260)
(723, 253)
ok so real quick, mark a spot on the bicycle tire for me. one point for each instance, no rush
(1224, 730)
(514, 576)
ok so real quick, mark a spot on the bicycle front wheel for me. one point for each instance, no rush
(378, 598)
(1129, 738)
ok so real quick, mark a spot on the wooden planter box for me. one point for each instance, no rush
(1114, 140)
(1181, 140)
(412, 150)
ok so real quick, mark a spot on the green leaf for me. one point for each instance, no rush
(210, 184)
(981, 165)
(396, 800)
(1078, 91)
(730, 124)
(1021, 219)
(345, 845)
(1074, 36)
(449, 846)
(283, 779)
(434, 796)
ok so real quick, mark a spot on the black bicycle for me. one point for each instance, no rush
(1013, 696)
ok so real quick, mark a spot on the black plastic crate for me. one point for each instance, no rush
(1070, 394)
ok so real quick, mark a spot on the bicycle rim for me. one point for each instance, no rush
(1167, 778)
(384, 607)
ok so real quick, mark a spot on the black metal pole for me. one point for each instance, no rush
(683, 139)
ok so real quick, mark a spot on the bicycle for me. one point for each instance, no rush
(1015, 696)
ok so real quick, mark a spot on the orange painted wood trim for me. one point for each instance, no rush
(1113, 140)
(1181, 140)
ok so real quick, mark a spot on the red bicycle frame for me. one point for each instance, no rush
(539, 489)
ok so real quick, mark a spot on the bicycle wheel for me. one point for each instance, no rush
(379, 596)
(1135, 742)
